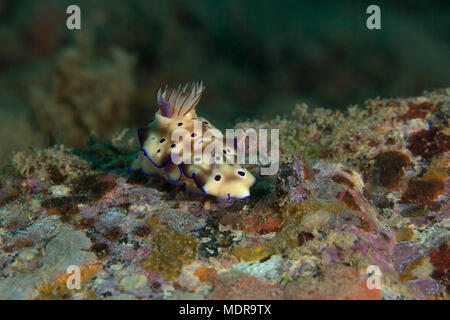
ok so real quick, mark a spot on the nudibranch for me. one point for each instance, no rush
(211, 173)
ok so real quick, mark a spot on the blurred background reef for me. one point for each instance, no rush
(257, 58)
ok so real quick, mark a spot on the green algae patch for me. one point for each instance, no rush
(314, 151)
(294, 214)
(415, 211)
(404, 234)
(171, 251)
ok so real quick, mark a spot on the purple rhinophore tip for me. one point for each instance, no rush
(164, 106)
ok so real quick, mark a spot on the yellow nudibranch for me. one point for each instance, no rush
(212, 174)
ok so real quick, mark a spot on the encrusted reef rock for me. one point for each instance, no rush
(85, 94)
(359, 194)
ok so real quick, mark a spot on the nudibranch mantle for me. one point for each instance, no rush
(203, 175)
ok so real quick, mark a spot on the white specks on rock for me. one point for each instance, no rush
(60, 191)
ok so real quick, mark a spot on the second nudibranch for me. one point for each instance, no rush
(177, 110)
